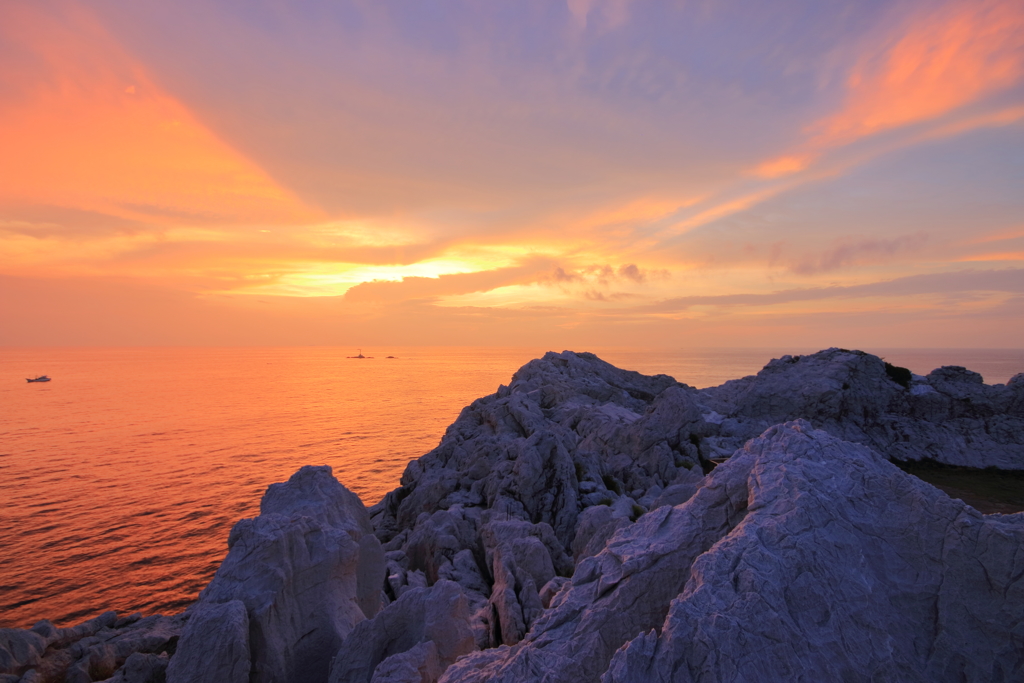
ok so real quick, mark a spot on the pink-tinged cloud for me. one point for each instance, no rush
(935, 61)
(513, 168)
(947, 57)
(1008, 281)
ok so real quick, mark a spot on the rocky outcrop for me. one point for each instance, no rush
(414, 639)
(142, 668)
(802, 557)
(843, 568)
(574, 526)
(512, 493)
(949, 416)
(94, 650)
(304, 572)
(215, 645)
(562, 436)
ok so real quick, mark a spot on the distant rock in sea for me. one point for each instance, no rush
(588, 523)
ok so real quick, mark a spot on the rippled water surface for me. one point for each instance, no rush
(120, 479)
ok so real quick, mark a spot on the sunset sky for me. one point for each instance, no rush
(512, 172)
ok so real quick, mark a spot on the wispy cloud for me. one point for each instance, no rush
(860, 251)
(945, 58)
(1009, 281)
(581, 160)
(934, 61)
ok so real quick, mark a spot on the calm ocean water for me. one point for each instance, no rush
(120, 479)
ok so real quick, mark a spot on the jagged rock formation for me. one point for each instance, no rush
(802, 557)
(574, 527)
(833, 577)
(949, 416)
(498, 504)
(95, 650)
(215, 646)
(540, 448)
(296, 580)
(415, 638)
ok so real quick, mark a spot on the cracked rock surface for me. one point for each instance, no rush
(574, 526)
(802, 557)
(295, 582)
(843, 568)
(949, 416)
(102, 648)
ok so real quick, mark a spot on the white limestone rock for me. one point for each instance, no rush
(525, 451)
(522, 559)
(949, 416)
(418, 664)
(142, 668)
(677, 494)
(214, 645)
(436, 538)
(90, 651)
(844, 568)
(464, 570)
(623, 590)
(496, 506)
(421, 633)
(798, 533)
(550, 591)
(307, 570)
(462, 567)
(20, 648)
(597, 524)
(586, 448)
(801, 558)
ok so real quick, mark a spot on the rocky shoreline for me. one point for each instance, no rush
(587, 523)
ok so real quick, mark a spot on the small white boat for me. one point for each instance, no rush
(40, 378)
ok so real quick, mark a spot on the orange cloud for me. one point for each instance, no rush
(729, 206)
(782, 166)
(1003, 117)
(944, 60)
(85, 127)
(996, 256)
(1011, 234)
(636, 211)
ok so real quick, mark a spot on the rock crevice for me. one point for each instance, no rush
(587, 523)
